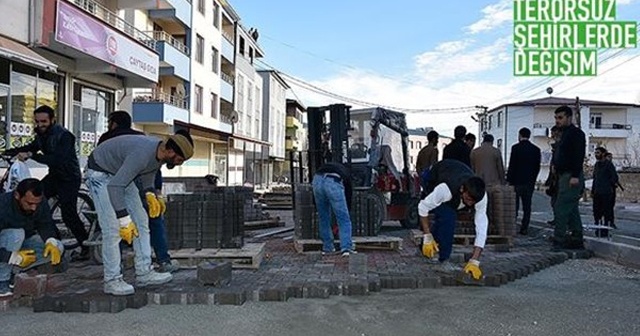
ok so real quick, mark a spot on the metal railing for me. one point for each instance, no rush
(227, 37)
(160, 35)
(227, 78)
(115, 21)
(610, 126)
(161, 97)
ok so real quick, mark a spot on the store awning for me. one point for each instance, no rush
(17, 52)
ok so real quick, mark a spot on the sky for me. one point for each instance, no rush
(419, 55)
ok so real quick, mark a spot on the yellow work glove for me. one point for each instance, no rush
(429, 246)
(155, 208)
(23, 258)
(128, 229)
(473, 268)
(54, 248)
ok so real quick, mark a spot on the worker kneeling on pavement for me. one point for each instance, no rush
(112, 168)
(452, 186)
(27, 231)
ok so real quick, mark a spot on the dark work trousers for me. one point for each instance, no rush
(603, 207)
(67, 194)
(524, 193)
(443, 229)
(567, 214)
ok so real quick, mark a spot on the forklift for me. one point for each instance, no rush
(373, 144)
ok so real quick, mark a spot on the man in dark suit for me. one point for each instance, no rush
(458, 149)
(524, 166)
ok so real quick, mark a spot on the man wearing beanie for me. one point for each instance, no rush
(112, 167)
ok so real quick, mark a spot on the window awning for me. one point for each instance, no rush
(17, 52)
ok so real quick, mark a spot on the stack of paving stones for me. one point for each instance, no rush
(283, 275)
(207, 219)
(364, 213)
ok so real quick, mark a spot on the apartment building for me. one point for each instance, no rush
(274, 110)
(74, 56)
(611, 125)
(295, 138)
(418, 140)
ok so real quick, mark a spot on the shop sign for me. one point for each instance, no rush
(80, 31)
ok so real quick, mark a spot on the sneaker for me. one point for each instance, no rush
(5, 290)
(169, 266)
(346, 253)
(118, 287)
(153, 278)
(332, 252)
(524, 232)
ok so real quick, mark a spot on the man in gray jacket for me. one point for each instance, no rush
(112, 167)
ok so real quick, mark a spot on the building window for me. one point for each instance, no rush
(216, 15)
(214, 105)
(490, 122)
(198, 99)
(241, 47)
(199, 49)
(419, 145)
(214, 60)
(201, 6)
(499, 119)
(596, 120)
(251, 55)
(411, 144)
(240, 97)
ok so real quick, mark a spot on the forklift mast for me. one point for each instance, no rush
(328, 138)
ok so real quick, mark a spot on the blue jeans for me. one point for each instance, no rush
(97, 183)
(13, 240)
(443, 230)
(159, 239)
(329, 195)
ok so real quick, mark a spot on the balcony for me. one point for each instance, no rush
(97, 10)
(169, 11)
(292, 122)
(226, 87)
(292, 144)
(542, 130)
(159, 108)
(610, 130)
(228, 50)
(174, 55)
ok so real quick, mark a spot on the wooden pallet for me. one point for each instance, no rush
(361, 243)
(263, 224)
(249, 256)
(465, 240)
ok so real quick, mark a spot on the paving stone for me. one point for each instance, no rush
(231, 297)
(272, 294)
(356, 288)
(375, 285)
(358, 263)
(428, 282)
(28, 285)
(315, 292)
(214, 274)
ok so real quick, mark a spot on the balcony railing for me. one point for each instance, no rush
(226, 78)
(227, 36)
(115, 21)
(160, 35)
(161, 97)
(610, 126)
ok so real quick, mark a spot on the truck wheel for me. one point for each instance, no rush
(412, 220)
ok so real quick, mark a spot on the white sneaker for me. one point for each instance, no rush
(118, 287)
(153, 278)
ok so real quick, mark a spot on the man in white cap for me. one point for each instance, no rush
(112, 167)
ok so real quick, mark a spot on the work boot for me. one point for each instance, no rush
(5, 290)
(153, 278)
(118, 287)
(524, 231)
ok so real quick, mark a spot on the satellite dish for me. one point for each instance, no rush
(234, 117)
(549, 90)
